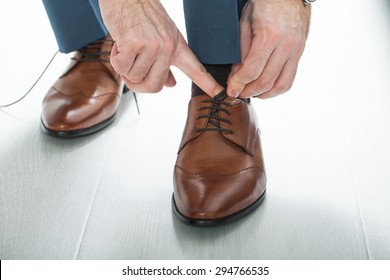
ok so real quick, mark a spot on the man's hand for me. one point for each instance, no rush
(147, 43)
(273, 36)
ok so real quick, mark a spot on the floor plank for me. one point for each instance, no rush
(47, 186)
(379, 247)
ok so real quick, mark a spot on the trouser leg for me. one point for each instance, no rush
(75, 23)
(213, 29)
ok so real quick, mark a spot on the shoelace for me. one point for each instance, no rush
(32, 87)
(87, 56)
(213, 117)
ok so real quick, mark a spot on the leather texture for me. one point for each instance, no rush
(87, 94)
(219, 171)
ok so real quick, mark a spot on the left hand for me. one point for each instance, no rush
(273, 36)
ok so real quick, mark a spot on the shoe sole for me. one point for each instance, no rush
(219, 221)
(81, 132)
(78, 132)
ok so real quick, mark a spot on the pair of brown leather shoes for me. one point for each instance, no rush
(219, 174)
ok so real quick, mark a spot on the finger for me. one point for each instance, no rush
(158, 76)
(285, 80)
(129, 84)
(244, 47)
(233, 70)
(141, 66)
(245, 39)
(122, 61)
(154, 80)
(187, 62)
(254, 63)
(148, 87)
(268, 77)
(171, 81)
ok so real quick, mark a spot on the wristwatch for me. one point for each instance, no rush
(308, 2)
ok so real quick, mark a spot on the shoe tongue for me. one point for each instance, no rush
(221, 96)
(102, 46)
(97, 51)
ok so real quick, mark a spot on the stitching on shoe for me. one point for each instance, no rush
(104, 94)
(221, 174)
(88, 97)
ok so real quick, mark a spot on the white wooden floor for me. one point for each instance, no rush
(107, 196)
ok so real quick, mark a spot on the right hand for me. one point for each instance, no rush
(147, 43)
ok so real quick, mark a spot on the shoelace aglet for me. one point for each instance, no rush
(136, 103)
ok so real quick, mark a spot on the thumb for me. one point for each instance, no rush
(188, 63)
(234, 69)
(235, 83)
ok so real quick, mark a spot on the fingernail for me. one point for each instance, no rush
(234, 93)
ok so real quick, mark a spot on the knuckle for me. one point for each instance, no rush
(265, 85)
(135, 43)
(155, 87)
(282, 88)
(169, 47)
(136, 80)
(136, 77)
(301, 47)
(273, 33)
(153, 50)
(251, 75)
(291, 41)
(162, 76)
(246, 75)
(119, 66)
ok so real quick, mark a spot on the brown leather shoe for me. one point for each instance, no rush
(86, 98)
(219, 173)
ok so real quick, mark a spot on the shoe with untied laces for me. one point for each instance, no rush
(86, 97)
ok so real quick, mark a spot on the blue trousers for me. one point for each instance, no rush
(212, 26)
